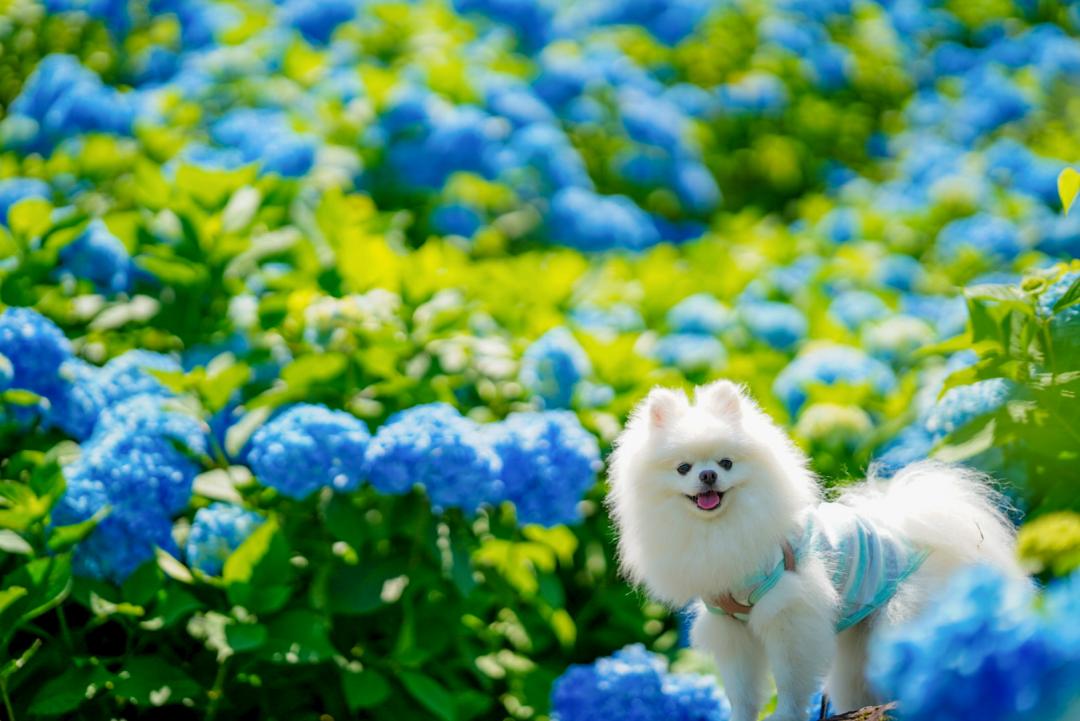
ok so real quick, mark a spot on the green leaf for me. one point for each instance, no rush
(10, 595)
(172, 567)
(246, 636)
(562, 625)
(365, 689)
(30, 217)
(175, 605)
(61, 538)
(355, 590)
(47, 581)
(219, 387)
(257, 574)
(298, 636)
(153, 681)
(1068, 187)
(310, 370)
(65, 693)
(142, 585)
(171, 271)
(1069, 298)
(430, 694)
(11, 542)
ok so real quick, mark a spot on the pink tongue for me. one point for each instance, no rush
(708, 500)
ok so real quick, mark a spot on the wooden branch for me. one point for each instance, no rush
(870, 713)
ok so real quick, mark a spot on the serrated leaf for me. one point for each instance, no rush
(365, 689)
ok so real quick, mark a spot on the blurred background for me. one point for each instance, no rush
(319, 318)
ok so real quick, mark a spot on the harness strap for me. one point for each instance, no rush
(727, 603)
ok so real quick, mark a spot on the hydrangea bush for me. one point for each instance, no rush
(318, 319)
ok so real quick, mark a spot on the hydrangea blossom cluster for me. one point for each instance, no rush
(828, 365)
(635, 684)
(62, 99)
(552, 367)
(690, 352)
(36, 348)
(90, 390)
(140, 463)
(962, 404)
(100, 257)
(702, 314)
(984, 646)
(434, 446)
(308, 447)
(1064, 325)
(548, 463)
(777, 324)
(217, 531)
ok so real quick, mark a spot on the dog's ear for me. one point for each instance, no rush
(722, 398)
(662, 406)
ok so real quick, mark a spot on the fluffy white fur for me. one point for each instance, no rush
(680, 553)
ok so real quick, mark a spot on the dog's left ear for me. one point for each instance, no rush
(722, 398)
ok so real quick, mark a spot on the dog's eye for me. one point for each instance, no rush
(726, 464)
(684, 468)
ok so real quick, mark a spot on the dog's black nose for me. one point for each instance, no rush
(707, 477)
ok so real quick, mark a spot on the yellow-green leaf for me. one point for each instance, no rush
(1068, 187)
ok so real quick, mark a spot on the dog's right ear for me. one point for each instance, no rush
(662, 406)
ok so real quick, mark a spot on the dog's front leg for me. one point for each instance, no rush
(796, 622)
(740, 658)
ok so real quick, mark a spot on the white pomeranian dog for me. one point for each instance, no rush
(715, 504)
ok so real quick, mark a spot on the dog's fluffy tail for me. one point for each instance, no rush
(952, 511)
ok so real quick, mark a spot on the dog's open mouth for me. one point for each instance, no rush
(707, 500)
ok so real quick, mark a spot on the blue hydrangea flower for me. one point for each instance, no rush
(119, 545)
(90, 390)
(434, 446)
(948, 314)
(266, 137)
(900, 272)
(317, 19)
(983, 646)
(963, 404)
(216, 532)
(549, 461)
(36, 348)
(635, 685)
(582, 219)
(700, 313)
(993, 237)
(1065, 325)
(12, 190)
(779, 325)
(552, 367)
(690, 352)
(309, 447)
(139, 462)
(113, 13)
(829, 365)
(619, 318)
(98, 256)
(853, 308)
(64, 99)
(912, 444)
